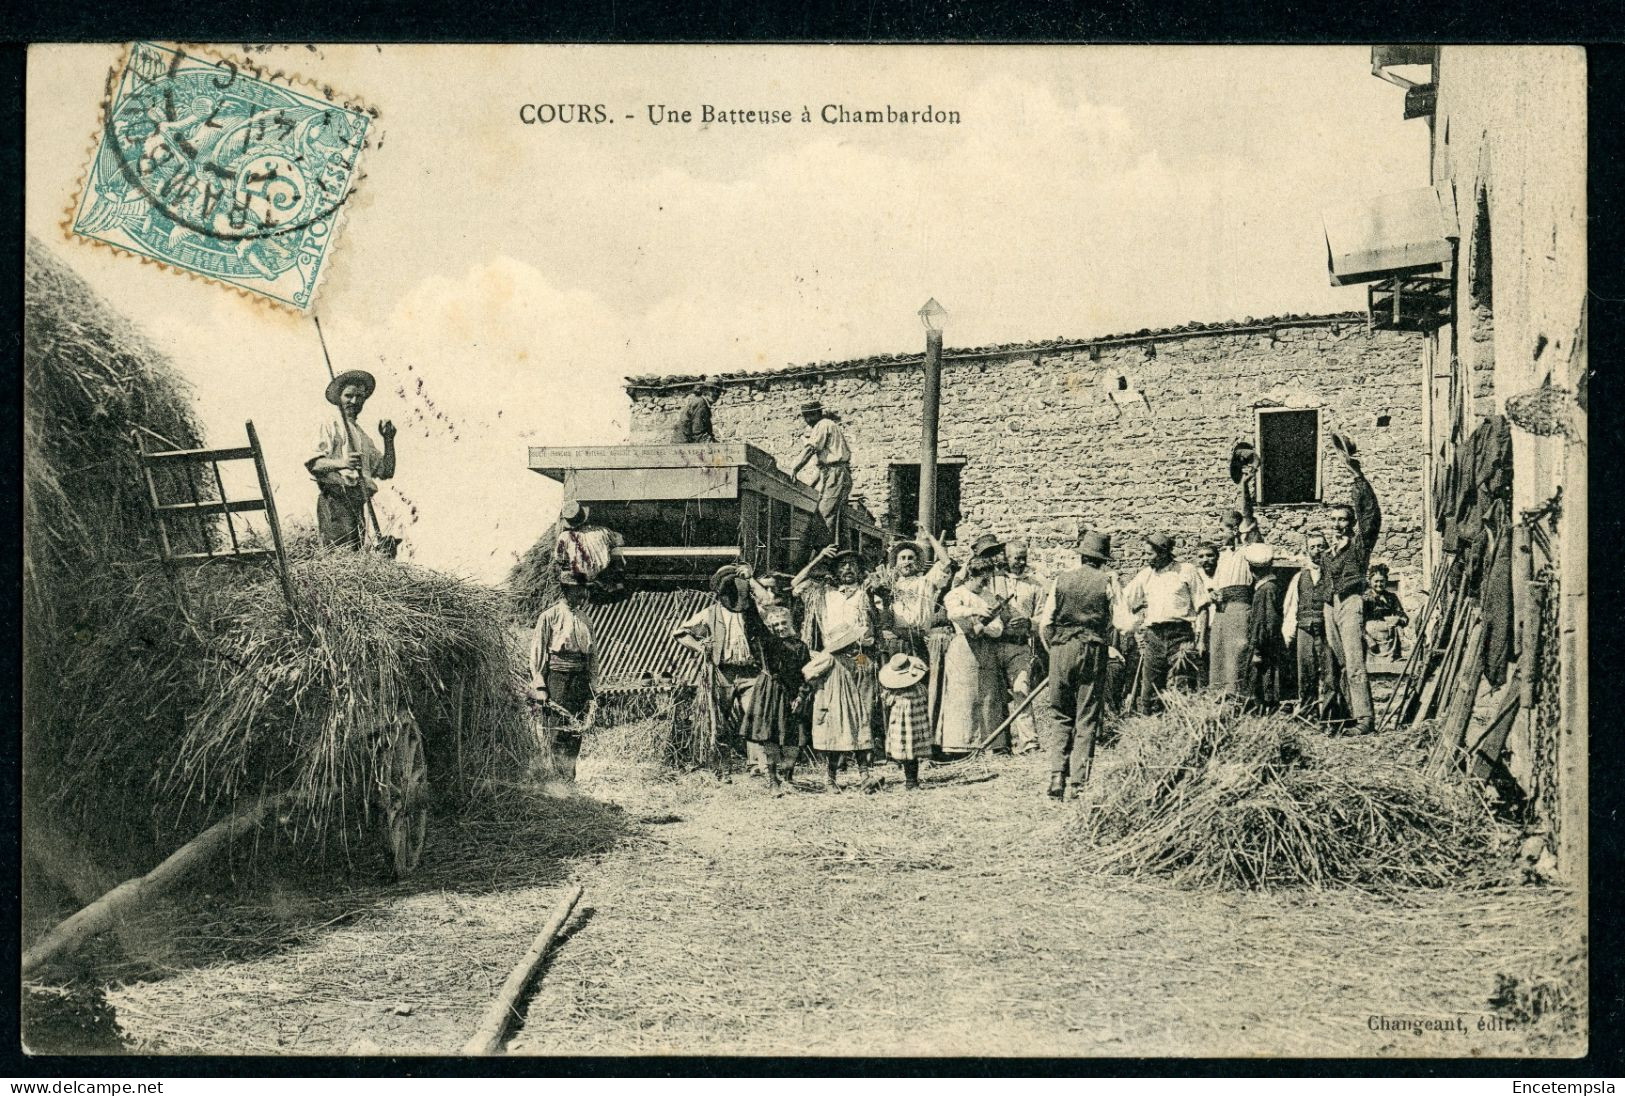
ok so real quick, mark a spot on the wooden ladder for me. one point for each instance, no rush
(201, 509)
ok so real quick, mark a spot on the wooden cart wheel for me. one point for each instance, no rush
(404, 794)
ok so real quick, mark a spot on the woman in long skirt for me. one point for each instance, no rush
(973, 698)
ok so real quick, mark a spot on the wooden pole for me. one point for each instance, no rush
(487, 1038)
(1026, 702)
(930, 399)
(101, 914)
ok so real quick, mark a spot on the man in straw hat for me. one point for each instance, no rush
(347, 464)
(1075, 623)
(1173, 597)
(591, 553)
(561, 671)
(841, 622)
(696, 423)
(1354, 537)
(825, 442)
(916, 593)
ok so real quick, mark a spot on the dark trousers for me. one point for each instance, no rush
(341, 515)
(572, 691)
(1167, 653)
(1311, 661)
(1077, 705)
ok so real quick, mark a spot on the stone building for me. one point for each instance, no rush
(1501, 306)
(1125, 433)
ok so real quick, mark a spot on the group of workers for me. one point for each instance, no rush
(924, 658)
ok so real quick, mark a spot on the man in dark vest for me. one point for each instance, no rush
(1303, 625)
(1354, 536)
(696, 422)
(1075, 624)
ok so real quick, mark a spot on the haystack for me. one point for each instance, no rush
(1211, 795)
(154, 700)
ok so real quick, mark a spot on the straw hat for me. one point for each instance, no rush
(986, 543)
(1160, 542)
(842, 638)
(573, 513)
(338, 384)
(907, 545)
(902, 671)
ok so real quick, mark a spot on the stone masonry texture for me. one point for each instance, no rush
(1053, 445)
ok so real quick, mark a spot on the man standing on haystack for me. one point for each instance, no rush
(1354, 537)
(1075, 623)
(347, 464)
(561, 670)
(825, 442)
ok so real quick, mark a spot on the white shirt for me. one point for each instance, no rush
(331, 444)
(836, 609)
(1178, 592)
(727, 645)
(914, 598)
(826, 438)
(558, 629)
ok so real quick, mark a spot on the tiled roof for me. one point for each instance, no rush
(1249, 324)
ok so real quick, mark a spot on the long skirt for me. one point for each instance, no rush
(1231, 651)
(973, 696)
(771, 716)
(844, 707)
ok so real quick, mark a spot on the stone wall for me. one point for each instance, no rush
(1053, 444)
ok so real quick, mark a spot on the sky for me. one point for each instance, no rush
(501, 279)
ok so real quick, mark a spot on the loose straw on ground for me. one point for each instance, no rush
(100, 915)
(487, 1039)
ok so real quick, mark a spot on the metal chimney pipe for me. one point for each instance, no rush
(929, 401)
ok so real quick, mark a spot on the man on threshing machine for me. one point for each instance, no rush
(561, 672)
(347, 464)
(590, 554)
(825, 442)
(696, 421)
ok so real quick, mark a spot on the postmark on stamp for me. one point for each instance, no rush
(215, 166)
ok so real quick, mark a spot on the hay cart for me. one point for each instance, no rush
(684, 511)
(401, 794)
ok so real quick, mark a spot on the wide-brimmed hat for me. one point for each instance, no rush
(1238, 455)
(1160, 542)
(845, 554)
(1258, 555)
(842, 638)
(984, 544)
(732, 592)
(912, 546)
(573, 513)
(902, 671)
(351, 376)
(1096, 546)
(812, 407)
(708, 384)
(817, 666)
(570, 578)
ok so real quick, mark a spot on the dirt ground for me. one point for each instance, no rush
(718, 920)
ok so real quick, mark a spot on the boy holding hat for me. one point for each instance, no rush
(347, 463)
(908, 714)
(1075, 624)
(825, 442)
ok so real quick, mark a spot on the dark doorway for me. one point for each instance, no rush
(1288, 456)
(904, 510)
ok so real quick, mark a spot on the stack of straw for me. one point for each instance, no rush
(1210, 795)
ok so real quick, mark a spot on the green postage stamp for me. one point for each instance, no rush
(212, 165)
